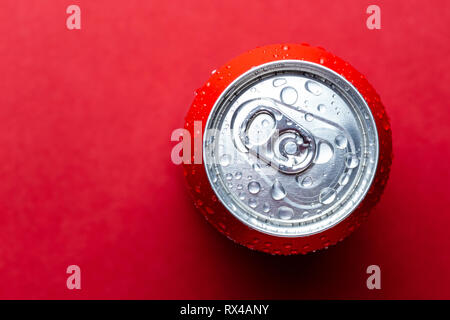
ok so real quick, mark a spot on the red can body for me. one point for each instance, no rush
(203, 195)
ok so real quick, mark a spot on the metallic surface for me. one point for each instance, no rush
(290, 148)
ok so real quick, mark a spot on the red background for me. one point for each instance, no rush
(85, 172)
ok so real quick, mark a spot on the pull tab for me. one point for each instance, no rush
(272, 136)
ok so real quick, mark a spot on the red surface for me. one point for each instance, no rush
(203, 195)
(86, 177)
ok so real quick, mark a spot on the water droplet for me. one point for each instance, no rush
(341, 141)
(242, 196)
(199, 203)
(327, 195)
(266, 207)
(321, 108)
(313, 87)
(225, 160)
(278, 82)
(324, 152)
(210, 140)
(305, 182)
(285, 213)
(239, 187)
(238, 175)
(228, 176)
(256, 167)
(252, 203)
(254, 187)
(351, 161)
(289, 95)
(309, 117)
(277, 191)
(344, 178)
(209, 210)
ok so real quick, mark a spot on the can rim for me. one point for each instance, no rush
(340, 82)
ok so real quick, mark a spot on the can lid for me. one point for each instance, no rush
(290, 148)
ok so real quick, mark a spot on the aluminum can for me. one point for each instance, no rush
(293, 149)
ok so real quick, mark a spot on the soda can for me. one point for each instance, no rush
(291, 149)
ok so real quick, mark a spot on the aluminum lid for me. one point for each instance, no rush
(290, 148)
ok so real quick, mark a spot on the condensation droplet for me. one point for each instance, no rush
(289, 95)
(313, 87)
(278, 82)
(321, 108)
(266, 207)
(252, 203)
(341, 141)
(256, 167)
(327, 195)
(278, 192)
(254, 187)
(344, 178)
(351, 161)
(278, 115)
(228, 176)
(304, 182)
(324, 152)
(309, 117)
(225, 160)
(238, 175)
(285, 213)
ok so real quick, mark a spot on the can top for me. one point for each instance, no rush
(290, 148)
